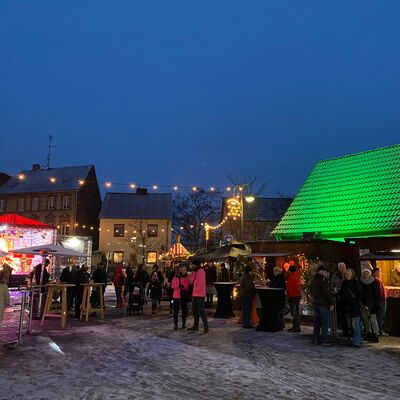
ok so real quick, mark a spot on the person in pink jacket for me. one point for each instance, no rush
(198, 281)
(181, 295)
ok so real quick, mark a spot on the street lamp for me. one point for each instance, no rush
(249, 199)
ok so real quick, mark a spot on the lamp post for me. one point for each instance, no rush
(249, 199)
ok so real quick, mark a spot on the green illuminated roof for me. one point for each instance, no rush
(351, 196)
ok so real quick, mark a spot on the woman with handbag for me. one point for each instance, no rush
(181, 295)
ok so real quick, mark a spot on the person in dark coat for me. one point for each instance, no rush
(351, 295)
(99, 276)
(129, 280)
(174, 272)
(323, 302)
(160, 278)
(278, 281)
(247, 292)
(223, 274)
(371, 302)
(66, 277)
(154, 291)
(211, 277)
(34, 278)
(80, 277)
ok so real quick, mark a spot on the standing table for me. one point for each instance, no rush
(62, 312)
(224, 306)
(86, 306)
(272, 300)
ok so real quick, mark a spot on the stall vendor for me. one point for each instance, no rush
(395, 276)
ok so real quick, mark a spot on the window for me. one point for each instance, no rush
(151, 257)
(119, 230)
(21, 204)
(64, 228)
(3, 205)
(118, 257)
(51, 203)
(66, 202)
(152, 230)
(35, 204)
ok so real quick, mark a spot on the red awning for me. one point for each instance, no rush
(17, 220)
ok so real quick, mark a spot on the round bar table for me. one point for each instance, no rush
(272, 300)
(224, 305)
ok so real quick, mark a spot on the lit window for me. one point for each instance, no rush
(35, 204)
(119, 230)
(51, 203)
(151, 257)
(118, 257)
(152, 230)
(66, 202)
(21, 204)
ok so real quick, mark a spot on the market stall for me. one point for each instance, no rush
(20, 232)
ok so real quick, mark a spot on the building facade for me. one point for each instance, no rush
(135, 228)
(67, 198)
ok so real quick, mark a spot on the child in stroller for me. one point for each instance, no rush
(136, 301)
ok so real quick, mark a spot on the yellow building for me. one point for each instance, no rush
(136, 227)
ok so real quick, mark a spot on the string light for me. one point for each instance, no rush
(109, 184)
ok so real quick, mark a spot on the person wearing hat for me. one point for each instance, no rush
(294, 297)
(323, 303)
(247, 292)
(376, 273)
(371, 305)
(198, 280)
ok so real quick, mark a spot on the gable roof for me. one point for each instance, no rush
(351, 196)
(263, 208)
(137, 206)
(67, 178)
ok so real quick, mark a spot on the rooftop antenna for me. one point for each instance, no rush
(49, 152)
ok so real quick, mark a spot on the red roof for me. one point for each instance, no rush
(17, 220)
(177, 250)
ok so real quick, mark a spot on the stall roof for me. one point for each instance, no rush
(352, 196)
(381, 256)
(271, 254)
(17, 220)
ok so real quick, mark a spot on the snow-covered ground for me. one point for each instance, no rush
(142, 357)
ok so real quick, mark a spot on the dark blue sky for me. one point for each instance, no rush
(185, 91)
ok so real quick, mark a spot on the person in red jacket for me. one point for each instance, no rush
(294, 297)
(198, 281)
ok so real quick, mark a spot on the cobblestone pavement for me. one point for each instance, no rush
(142, 357)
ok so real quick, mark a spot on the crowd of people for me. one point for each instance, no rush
(340, 300)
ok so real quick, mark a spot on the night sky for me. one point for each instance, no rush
(183, 92)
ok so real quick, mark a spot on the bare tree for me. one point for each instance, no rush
(255, 186)
(139, 240)
(192, 210)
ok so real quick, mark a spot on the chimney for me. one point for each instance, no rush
(35, 167)
(141, 191)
